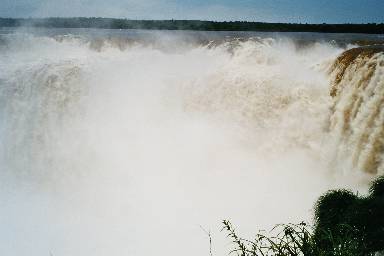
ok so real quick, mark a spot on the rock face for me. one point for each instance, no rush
(357, 119)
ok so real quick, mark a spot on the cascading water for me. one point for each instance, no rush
(113, 147)
(358, 118)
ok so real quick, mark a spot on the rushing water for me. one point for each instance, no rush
(131, 142)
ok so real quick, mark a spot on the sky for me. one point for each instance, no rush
(297, 11)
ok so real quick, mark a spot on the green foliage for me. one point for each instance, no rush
(365, 215)
(345, 225)
(287, 240)
(93, 22)
(330, 211)
(377, 187)
(295, 240)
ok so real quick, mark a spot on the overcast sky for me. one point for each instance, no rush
(311, 11)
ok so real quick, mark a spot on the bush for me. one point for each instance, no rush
(345, 225)
(364, 216)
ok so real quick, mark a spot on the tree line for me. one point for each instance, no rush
(109, 23)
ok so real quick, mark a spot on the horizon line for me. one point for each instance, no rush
(216, 21)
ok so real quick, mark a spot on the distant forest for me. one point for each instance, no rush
(108, 23)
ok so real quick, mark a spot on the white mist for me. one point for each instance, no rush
(131, 152)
